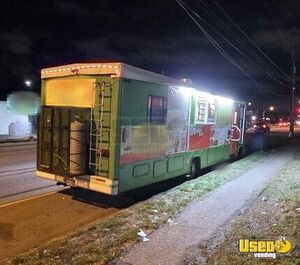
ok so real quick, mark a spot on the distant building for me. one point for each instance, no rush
(18, 115)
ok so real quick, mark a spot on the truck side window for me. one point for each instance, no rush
(157, 109)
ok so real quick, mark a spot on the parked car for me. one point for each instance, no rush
(297, 122)
(284, 123)
(261, 127)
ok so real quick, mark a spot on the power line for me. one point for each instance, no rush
(216, 45)
(204, 6)
(233, 46)
(246, 35)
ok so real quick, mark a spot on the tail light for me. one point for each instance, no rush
(103, 153)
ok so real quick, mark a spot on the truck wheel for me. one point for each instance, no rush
(240, 153)
(195, 168)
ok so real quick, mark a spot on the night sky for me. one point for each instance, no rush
(158, 36)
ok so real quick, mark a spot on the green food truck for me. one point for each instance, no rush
(112, 127)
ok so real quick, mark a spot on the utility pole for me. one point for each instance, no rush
(292, 119)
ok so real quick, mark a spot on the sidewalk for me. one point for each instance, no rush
(201, 220)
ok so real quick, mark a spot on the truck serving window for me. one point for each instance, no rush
(211, 114)
(200, 111)
(157, 109)
(205, 111)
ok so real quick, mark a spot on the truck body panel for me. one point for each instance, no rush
(113, 127)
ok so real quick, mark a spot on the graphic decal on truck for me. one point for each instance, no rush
(161, 135)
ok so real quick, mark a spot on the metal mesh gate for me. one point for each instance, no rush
(63, 140)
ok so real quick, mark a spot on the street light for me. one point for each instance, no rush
(28, 83)
(271, 108)
(249, 103)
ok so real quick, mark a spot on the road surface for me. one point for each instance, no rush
(17, 173)
(278, 129)
(30, 215)
(28, 224)
(33, 210)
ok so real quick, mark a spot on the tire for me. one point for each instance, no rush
(240, 153)
(195, 168)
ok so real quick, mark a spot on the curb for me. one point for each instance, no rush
(19, 143)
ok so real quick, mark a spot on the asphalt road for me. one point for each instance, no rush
(33, 210)
(278, 129)
(32, 223)
(31, 215)
(17, 173)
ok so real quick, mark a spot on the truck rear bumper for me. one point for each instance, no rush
(90, 182)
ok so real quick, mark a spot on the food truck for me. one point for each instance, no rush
(112, 127)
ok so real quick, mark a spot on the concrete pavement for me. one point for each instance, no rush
(203, 218)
